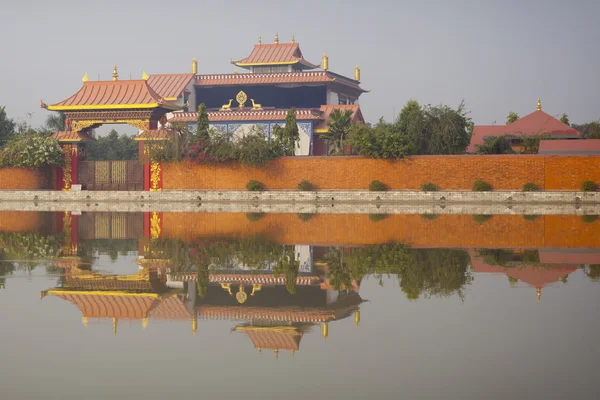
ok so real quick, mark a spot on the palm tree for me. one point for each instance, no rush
(339, 125)
(55, 122)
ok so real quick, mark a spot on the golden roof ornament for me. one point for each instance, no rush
(325, 330)
(539, 106)
(114, 321)
(194, 66)
(144, 323)
(85, 78)
(84, 321)
(145, 76)
(241, 98)
(260, 40)
(277, 38)
(115, 74)
(539, 294)
(293, 38)
(325, 62)
(357, 73)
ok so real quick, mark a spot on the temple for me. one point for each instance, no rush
(535, 124)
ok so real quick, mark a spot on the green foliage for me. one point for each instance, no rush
(7, 127)
(531, 217)
(565, 119)
(254, 186)
(113, 147)
(512, 117)
(591, 130)
(377, 186)
(338, 128)
(305, 186)
(508, 258)
(30, 245)
(429, 187)
(381, 141)
(31, 150)
(481, 186)
(55, 122)
(530, 187)
(286, 140)
(305, 216)
(589, 186)
(202, 124)
(593, 272)
(496, 145)
(253, 150)
(254, 216)
(289, 266)
(481, 218)
(531, 144)
(377, 217)
(589, 219)
(429, 217)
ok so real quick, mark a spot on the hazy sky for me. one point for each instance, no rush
(496, 55)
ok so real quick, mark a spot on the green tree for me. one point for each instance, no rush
(384, 140)
(202, 123)
(113, 147)
(7, 127)
(591, 130)
(338, 128)
(565, 119)
(55, 123)
(512, 117)
(495, 145)
(287, 139)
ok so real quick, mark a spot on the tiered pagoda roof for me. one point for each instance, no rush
(275, 54)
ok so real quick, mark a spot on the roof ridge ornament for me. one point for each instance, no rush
(277, 38)
(85, 78)
(539, 105)
(195, 66)
(144, 76)
(260, 40)
(357, 73)
(325, 62)
(293, 38)
(115, 74)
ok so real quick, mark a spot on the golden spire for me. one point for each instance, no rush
(277, 38)
(194, 66)
(325, 330)
(144, 323)
(145, 76)
(85, 78)
(357, 73)
(293, 352)
(539, 294)
(276, 354)
(539, 106)
(84, 321)
(114, 326)
(293, 38)
(260, 40)
(357, 317)
(325, 63)
(194, 324)
(115, 74)
(259, 351)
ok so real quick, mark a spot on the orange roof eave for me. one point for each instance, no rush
(112, 107)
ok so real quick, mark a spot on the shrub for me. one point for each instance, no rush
(253, 150)
(589, 219)
(377, 186)
(589, 186)
(481, 186)
(305, 186)
(429, 217)
(377, 217)
(254, 216)
(254, 186)
(305, 216)
(31, 150)
(481, 218)
(429, 187)
(531, 217)
(530, 187)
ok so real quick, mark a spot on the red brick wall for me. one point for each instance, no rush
(448, 172)
(25, 178)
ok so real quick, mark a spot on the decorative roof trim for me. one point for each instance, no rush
(56, 292)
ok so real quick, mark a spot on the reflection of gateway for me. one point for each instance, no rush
(271, 317)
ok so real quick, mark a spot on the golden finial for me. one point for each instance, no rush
(276, 354)
(539, 106)
(43, 294)
(114, 320)
(84, 321)
(357, 317)
(194, 324)
(357, 73)
(144, 323)
(325, 63)
(277, 38)
(145, 76)
(85, 78)
(194, 66)
(293, 38)
(293, 353)
(325, 330)
(259, 351)
(539, 294)
(115, 74)
(260, 40)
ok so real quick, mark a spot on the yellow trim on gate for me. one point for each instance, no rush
(112, 107)
(101, 293)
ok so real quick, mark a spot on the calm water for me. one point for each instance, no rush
(255, 306)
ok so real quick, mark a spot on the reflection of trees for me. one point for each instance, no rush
(508, 258)
(593, 272)
(113, 248)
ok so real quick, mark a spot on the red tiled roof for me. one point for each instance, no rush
(584, 146)
(246, 115)
(113, 95)
(536, 123)
(95, 305)
(169, 86)
(62, 136)
(275, 54)
(169, 307)
(155, 134)
(289, 314)
(291, 78)
(327, 109)
(273, 337)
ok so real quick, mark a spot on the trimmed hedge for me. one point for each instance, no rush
(377, 186)
(589, 186)
(429, 187)
(530, 187)
(254, 186)
(305, 186)
(481, 186)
